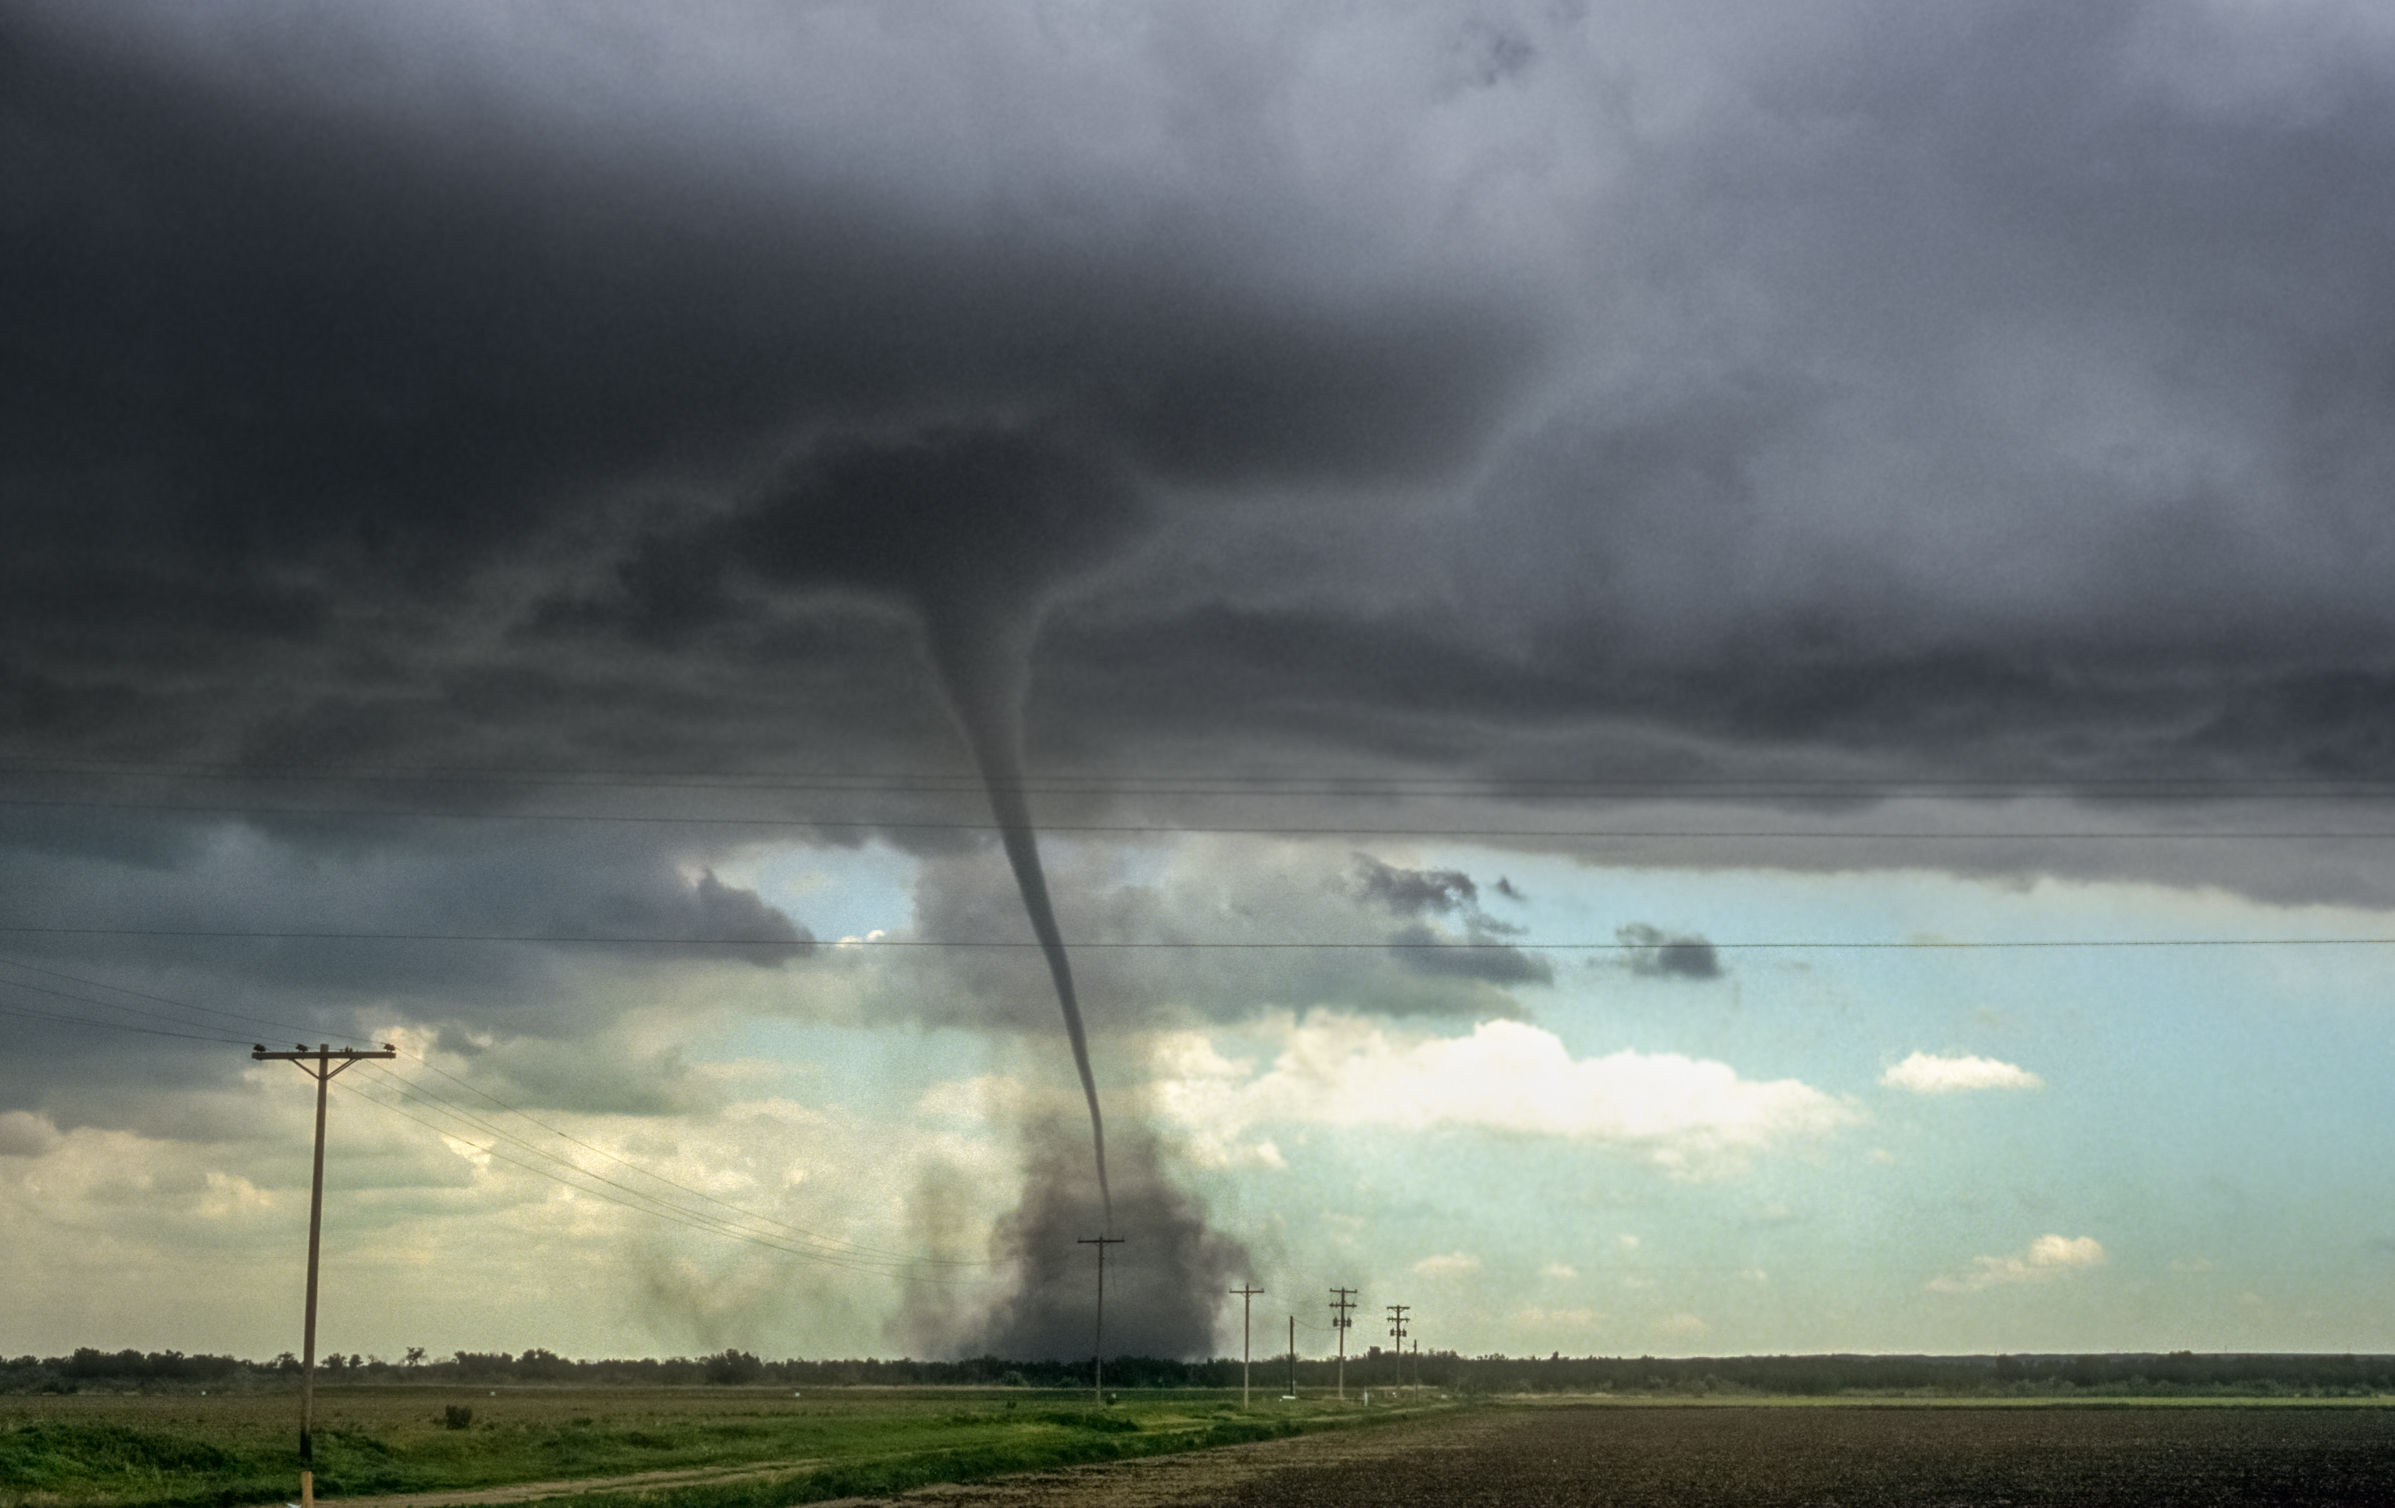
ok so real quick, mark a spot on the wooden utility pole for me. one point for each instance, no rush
(1397, 1330)
(1339, 1322)
(1247, 1302)
(1099, 1372)
(1293, 1356)
(319, 1064)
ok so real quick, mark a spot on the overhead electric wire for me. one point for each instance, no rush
(832, 1243)
(1219, 829)
(1232, 783)
(652, 1208)
(120, 1026)
(652, 1203)
(96, 984)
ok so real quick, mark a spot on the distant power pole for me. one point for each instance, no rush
(1340, 1322)
(1101, 1243)
(319, 1065)
(1247, 1302)
(1397, 1331)
(1292, 1356)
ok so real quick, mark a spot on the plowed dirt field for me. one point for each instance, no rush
(1855, 1457)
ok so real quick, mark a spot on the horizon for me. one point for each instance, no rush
(1639, 677)
(485, 1363)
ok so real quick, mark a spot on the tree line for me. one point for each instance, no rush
(2155, 1374)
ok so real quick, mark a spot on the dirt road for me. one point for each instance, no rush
(529, 1492)
(1208, 1476)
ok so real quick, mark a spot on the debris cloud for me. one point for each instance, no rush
(1163, 1285)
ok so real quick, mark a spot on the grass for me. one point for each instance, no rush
(194, 1451)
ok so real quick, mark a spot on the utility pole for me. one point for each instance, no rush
(1101, 1243)
(1292, 1356)
(1397, 1330)
(319, 1065)
(1340, 1322)
(1247, 1302)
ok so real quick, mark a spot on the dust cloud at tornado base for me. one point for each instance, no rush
(1164, 1284)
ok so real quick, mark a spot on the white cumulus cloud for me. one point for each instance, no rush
(2047, 1257)
(1454, 1264)
(1506, 1076)
(1926, 1073)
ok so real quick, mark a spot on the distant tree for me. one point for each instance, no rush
(734, 1367)
(415, 1356)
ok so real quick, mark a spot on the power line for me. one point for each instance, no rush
(829, 1242)
(650, 1208)
(1185, 945)
(1100, 782)
(322, 1070)
(427, 1096)
(1215, 829)
(114, 1005)
(121, 1026)
(655, 1204)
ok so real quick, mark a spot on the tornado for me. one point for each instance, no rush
(982, 660)
(973, 526)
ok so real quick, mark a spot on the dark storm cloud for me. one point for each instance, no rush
(293, 374)
(1901, 380)
(728, 913)
(1412, 892)
(1429, 951)
(238, 933)
(1426, 951)
(1656, 954)
(1516, 394)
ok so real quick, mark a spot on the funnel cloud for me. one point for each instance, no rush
(972, 527)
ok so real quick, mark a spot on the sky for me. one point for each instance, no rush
(1695, 678)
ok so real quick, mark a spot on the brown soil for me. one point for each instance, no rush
(1636, 1457)
(1757, 1458)
(1205, 1476)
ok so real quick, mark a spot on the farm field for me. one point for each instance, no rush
(1854, 1455)
(958, 1448)
(687, 1447)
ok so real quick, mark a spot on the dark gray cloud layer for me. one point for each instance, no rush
(1477, 952)
(2010, 393)
(1656, 954)
(1519, 395)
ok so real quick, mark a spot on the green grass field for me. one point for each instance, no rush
(93, 1450)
